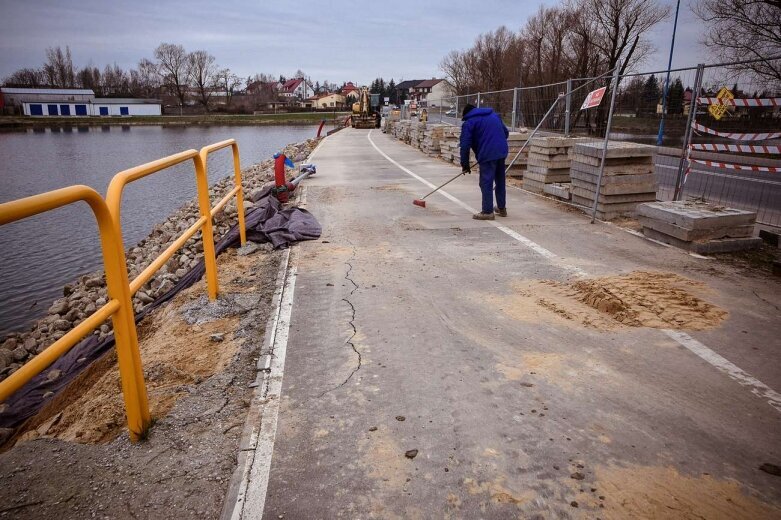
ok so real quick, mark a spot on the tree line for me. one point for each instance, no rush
(586, 38)
(186, 76)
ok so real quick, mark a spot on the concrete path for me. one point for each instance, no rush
(422, 329)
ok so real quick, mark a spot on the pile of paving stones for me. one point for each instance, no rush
(432, 139)
(83, 296)
(628, 178)
(698, 226)
(515, 142)
(548, 162)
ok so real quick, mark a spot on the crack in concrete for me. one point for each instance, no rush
(347, 276)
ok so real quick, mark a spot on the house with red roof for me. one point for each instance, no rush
(295, 88)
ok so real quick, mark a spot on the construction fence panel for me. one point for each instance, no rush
(733, 153)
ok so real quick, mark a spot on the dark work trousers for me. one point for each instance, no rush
(492, 173)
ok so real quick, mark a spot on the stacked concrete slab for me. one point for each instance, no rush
(432, 138)
(515, 142)
(548, 162)
(699, 227)
(449, 145)
(628, 178)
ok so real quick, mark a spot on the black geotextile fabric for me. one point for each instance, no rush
(266, 222)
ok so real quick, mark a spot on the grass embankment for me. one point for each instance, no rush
(302, 118)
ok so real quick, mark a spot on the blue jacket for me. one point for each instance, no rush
(484, 132)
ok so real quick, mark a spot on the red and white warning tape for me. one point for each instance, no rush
(743, 148)
(736, 136)
(740, 102)
(743, 167)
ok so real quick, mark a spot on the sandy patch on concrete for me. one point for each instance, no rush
(650, 299)
(497, 492)
(662, 492)
(638, 299)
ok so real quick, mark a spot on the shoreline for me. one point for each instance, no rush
(87, 292)
(10, 123)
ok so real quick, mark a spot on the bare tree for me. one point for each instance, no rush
(174, 67)
(27, 77)
(145, 80)
(456, 68)
(741, 30)
(621, 28)
(89, 77)
(58, 68)
(228, 82)
(203, 70)
(115, 81)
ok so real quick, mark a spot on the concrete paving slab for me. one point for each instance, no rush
(591, 178)
(696, 215)
(719, 245)
(689, 235)
(615, 149)
(614, 170)
(611, 162)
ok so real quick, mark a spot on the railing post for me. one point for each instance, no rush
(515, 107)
(478, 100)
(207, 233)
(131, 370)
(683, 163)
(240, 193)
(567, 108)
(607, 140)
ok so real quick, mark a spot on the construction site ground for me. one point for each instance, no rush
(422, 364)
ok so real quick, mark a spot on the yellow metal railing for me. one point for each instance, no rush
(119, 306)
(120, 289)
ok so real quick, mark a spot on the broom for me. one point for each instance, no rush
(421, 201)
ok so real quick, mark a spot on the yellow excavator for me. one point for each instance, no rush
(366, 112)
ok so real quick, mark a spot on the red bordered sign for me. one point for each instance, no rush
(594, 98)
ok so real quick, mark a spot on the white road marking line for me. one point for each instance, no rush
(758, 388)
(251, 499)
(534, 246)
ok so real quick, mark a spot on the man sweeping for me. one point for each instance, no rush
(484, 132)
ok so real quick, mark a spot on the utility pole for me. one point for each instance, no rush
(660, 135)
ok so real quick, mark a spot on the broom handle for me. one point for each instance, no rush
(445, 184)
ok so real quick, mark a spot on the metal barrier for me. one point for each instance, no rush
(120, 289)
(119, 306)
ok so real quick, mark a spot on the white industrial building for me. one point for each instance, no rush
(43, 102)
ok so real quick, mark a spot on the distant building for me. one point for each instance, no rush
(350, 92)
(332, 100)
(404, 88)
(294, 88)
(433, 92)
(75, 102)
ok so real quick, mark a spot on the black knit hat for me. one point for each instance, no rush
(468, 108)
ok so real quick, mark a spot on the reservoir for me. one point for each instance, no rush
(40, 254)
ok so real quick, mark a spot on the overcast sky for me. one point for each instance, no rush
(344, 41)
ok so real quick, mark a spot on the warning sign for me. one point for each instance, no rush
(594, 98)
(718, 111)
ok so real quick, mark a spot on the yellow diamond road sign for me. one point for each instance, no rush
(718, 111)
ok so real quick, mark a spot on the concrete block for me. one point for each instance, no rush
(614, 208)
(721, 245)
(614, 169)
(697, 215)
(532, 185)
(612, 162)
(617, 189)
(547, 163)
(689, 235)
(615, 149)
(577, 173)
(617, 198)
(559, 190)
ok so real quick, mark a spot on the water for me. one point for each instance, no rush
(40, 254)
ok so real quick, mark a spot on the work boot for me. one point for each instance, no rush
(502, 212)
(483, 216)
